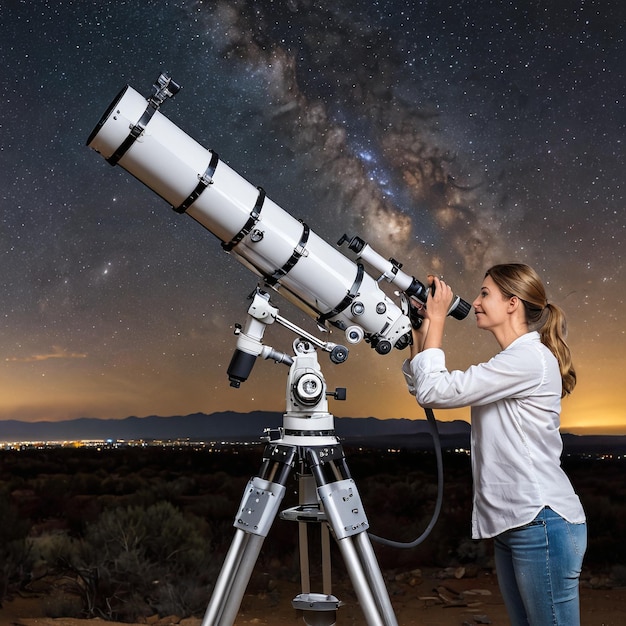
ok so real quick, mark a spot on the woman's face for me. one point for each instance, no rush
(490, 306)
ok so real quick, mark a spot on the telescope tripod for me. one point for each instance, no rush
(327, 495)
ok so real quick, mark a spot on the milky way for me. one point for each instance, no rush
(449, 137)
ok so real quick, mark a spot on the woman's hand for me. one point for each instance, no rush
(437, 307)
(419, 334)
(439, 298)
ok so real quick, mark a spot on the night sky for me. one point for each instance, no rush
(450, 136)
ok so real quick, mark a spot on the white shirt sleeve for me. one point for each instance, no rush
(512, 373)
(408, 376)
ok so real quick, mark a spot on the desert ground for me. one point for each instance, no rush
(66, 499)
(430, 598)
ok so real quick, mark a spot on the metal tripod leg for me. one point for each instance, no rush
(367, 580)
(259, 507)
(233, 579)
(346, 517)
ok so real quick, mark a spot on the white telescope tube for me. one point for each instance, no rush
(282, 250)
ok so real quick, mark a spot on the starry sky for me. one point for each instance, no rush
(450, 136)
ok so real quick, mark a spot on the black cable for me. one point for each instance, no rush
(432, 423)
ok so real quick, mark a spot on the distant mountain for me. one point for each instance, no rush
(198, 426)
(232, 426)
(223, 426)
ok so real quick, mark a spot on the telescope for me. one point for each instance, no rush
(282, 250)
(330, 287)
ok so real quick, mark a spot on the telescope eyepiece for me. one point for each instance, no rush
(459, 309)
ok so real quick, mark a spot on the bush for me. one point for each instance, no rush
(15, 556)
(136, 561)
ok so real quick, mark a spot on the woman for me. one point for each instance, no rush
(522, 497)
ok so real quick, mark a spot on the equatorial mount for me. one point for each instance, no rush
(261, 314)
(328, 496)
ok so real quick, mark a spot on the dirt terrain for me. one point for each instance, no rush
(424, 599)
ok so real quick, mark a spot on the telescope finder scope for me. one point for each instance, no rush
(391, 271)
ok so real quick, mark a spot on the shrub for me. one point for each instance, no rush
(137, 561)
(15, 557)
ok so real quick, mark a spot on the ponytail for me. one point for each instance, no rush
(553, 334)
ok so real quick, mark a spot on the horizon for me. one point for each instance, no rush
(599, 430)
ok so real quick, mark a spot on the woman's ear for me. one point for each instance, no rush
(514, 304)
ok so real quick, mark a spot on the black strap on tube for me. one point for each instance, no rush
(350, 296)
(203, 182)
(298, 252)
(135, 133)
(252, 220)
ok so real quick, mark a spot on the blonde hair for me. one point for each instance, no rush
(517, 279)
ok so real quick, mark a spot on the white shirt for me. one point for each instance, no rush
(516, 443)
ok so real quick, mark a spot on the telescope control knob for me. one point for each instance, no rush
(339, 354)
(340, 393)
(383, 346)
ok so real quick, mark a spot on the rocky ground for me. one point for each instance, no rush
(424, 598)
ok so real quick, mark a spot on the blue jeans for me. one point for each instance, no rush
(538, 567)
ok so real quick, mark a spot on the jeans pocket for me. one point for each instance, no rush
(535, 522)
(578, 538)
